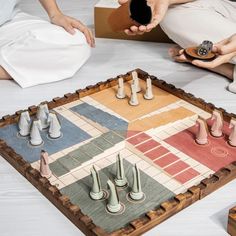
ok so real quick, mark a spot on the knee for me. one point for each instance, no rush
(173, 27)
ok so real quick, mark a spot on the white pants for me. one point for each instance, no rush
(33, 51)
(191, 23)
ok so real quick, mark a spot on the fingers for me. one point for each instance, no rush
(121, 2)
(86, 31)
(209, 65)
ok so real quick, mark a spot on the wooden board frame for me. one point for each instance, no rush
(232, 222)
(151, 218)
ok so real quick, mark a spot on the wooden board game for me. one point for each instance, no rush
(232, 222)
(157, 136)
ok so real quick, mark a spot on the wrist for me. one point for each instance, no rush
(54, 13)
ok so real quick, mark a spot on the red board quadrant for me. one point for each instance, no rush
(215, 155)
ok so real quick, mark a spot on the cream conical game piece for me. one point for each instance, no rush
(134, 98)
(136, 193)
(217, 127)
(96, 192)
(121, 90)
(148, 95)
(136, 81)
(24, 124)
(232, 86)
(44, 165)
(202, 133)
(113, 204)
(232, 136)
(35, 136)
(120, 179)
(42, 115)
(54, 131)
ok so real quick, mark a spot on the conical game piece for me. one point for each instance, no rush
(232, 86)
(148, 95)
(217, 127)
(136, 81)
(202, 133)
(134, 98)
(121, 90)
(42, 115)
(35, 136)
(44, 165)
(120, 179)
(232, 136)
(113, 204)
(54, 131)
(24, 124)
(136, 193)
(96, 192)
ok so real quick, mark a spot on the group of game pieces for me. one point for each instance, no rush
(97, 193)
(113, 204)
(135, 88)
(216, 129)
(45, 119)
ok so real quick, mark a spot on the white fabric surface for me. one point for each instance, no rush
(33, 51)
(7, 10)
(189, 24)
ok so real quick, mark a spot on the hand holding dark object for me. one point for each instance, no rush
(154, 10)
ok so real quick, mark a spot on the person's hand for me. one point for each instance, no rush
(225, 50)
(159, 9)
(70, 24)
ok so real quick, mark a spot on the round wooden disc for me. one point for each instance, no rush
(192, 52)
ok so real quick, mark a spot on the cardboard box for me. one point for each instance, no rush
(103, 10)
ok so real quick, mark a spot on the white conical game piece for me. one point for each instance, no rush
(54, 131)
(232, 86)
(136, 193)
(24, 124)
(232, 136)
(44, 165)
(202, 133)
(121, 90)
(113, 204)
(42, 115)
(148, 95)
(134, 98)
(35, 136)
(120, 179)
(136, 81)
(217, 126)
(96, 192)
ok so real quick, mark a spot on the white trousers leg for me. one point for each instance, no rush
(189, 24)
(33, 51)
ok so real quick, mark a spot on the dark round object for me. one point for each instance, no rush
(140, 11)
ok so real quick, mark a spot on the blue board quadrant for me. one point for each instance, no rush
(105, 119)
(72, 135)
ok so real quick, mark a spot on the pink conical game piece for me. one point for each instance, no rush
(202, 133)
(44, 165)
(232, 136)
(217, 127)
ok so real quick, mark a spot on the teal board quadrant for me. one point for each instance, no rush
(78, 192)
(85, 153)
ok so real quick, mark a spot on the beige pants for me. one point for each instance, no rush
(189, 24)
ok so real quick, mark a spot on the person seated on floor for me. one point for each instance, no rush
(34, 51)
(189, 22)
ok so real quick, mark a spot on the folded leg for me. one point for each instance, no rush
(33, 51)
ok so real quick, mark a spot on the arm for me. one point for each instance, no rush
(159, 9)
(68, 23)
